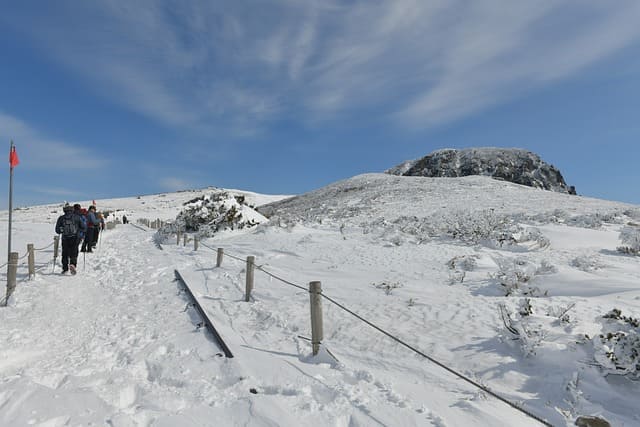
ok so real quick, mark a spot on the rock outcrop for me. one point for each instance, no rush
(509, 164)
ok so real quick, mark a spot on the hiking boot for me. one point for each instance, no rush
(72, 268)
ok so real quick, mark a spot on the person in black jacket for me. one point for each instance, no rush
(70, 227)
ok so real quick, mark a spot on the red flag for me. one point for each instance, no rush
(13, 157)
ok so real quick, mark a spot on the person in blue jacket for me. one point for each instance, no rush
(92, 224)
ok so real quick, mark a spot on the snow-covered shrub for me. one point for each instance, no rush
(633, 214)
(463, 262)
(460, 265)
(561, 312)
(516, 275)
(630, 237)
(617, 348)
(535, 236)
(524, 307)
(474, 227)
(587, 263)
(211, 213)
(594, 220)
(218, 211)
(521, 327)
(387, 287)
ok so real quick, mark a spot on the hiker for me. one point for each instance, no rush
(92, 224)
(82, 213)
(98, 229)
(69, 225)
(124, 219)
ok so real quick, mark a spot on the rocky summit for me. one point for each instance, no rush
(510, 164)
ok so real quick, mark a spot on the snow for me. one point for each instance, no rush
(119, 345)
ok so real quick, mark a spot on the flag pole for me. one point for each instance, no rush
(10, 202)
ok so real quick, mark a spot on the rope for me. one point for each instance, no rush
(443, 366)
(226, 254)
(281, 279)
(42, 249)
(138, 227)
(207, 246)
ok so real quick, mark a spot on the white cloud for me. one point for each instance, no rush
(236, 67)
(39, 152)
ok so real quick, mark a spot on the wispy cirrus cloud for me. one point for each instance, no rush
(237, 67)
(40, 152)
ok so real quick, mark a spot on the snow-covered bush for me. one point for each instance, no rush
(387, 287)
(535, 236)
(516, 275)
(218, 211)
(617, 348)
(460, 265)
(587, 263)
(463, 262)
(630, 237)
(561, 312)
(211, 213)
(479, 226)
(633, 213)
(520, 326)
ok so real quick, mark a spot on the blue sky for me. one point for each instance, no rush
(114, 99)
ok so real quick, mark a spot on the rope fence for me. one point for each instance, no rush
(316, 295)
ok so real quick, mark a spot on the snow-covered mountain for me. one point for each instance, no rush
(521, 290)
(510, 164)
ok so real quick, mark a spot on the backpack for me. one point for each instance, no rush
(69, 227)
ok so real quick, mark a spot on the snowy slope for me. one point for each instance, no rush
(119, 345)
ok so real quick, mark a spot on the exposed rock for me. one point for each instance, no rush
(509, 164)
(589, 421)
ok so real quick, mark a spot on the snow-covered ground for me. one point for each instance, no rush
(119, 345)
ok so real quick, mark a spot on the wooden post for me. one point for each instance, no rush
(249, 285)
(315, 291)
(32, 260)
(185, 240)
(220, 255)
(12, 269)
(195, 243)
(56, 245)
(177, 237)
